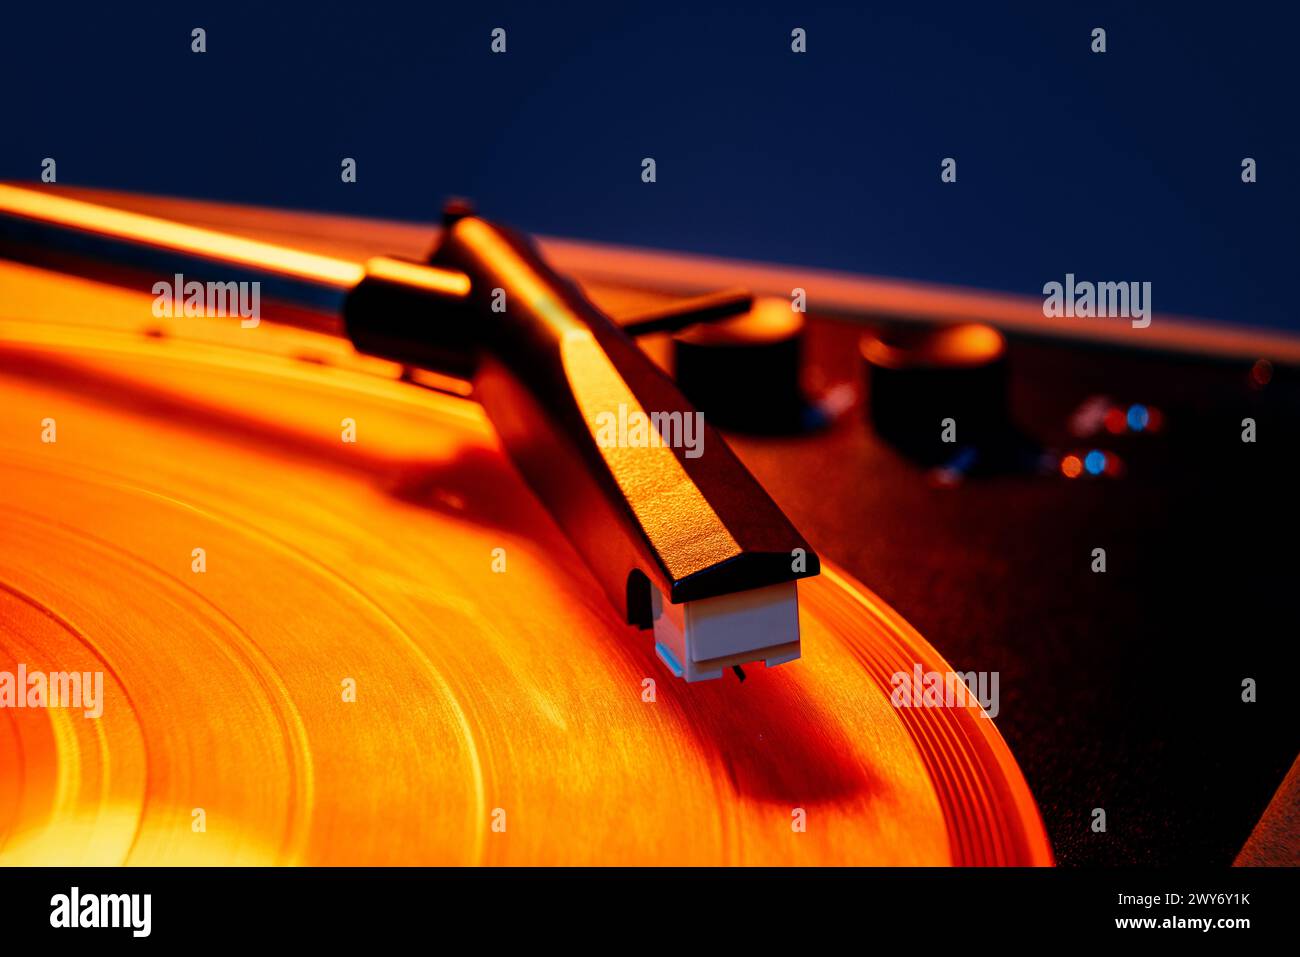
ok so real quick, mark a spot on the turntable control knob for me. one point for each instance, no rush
(918, 377)
(743, 372)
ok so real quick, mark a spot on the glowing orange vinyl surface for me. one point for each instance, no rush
(372, 561)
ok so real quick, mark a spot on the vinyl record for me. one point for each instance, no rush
(383, 651)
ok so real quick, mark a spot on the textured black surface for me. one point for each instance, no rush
(1119, 690)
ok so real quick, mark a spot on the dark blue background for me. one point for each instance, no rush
(1123, 166)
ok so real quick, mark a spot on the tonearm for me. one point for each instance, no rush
(689, 545)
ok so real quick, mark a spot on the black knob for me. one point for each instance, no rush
(743, 372)
(935, 391)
